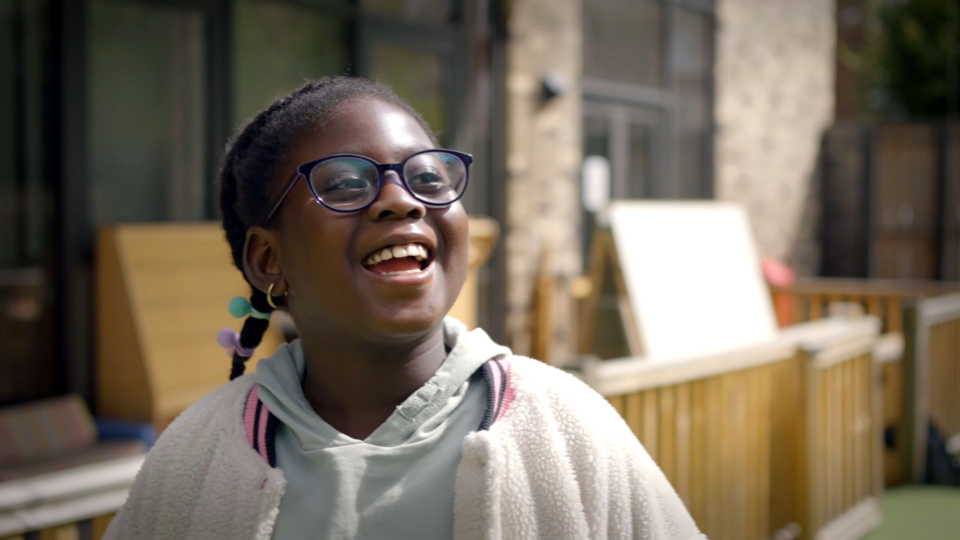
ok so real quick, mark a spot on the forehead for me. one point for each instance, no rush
(369, 127)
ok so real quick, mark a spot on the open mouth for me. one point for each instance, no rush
(399, 259)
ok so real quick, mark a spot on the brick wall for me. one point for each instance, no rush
(775, 98)
(543, 160)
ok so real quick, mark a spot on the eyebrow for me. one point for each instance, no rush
(363, 151)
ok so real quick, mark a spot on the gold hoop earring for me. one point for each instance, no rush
(270, 296)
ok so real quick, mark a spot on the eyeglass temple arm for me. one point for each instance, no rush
(286, 191)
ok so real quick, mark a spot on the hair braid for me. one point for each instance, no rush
(252, 332)
(253, 161)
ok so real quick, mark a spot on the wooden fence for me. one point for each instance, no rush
(890, 198)
(707, 422)
(774, 436)
(843, 459)
(936, 374)
(906, 381)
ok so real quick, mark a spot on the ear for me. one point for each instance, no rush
(261, 261)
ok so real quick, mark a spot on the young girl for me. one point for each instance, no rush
(385, 419)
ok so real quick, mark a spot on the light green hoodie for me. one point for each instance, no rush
(399, 481)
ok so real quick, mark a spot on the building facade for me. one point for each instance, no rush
(119, 110)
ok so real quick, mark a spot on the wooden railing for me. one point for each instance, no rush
(895, 303)
(707, 423)
(842, 462)
(777, 436)
(811, 297)
(935, 375)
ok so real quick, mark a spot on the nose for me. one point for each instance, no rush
(395, 202)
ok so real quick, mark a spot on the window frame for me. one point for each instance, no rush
(611, 93)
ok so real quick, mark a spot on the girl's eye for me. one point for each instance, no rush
(427, 178)
(344, 183)
(344, 190)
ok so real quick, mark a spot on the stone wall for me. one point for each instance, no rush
(774, 99)
(543, 161)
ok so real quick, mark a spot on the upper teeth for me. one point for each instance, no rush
(417, 251)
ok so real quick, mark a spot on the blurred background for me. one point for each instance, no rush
(833, 123)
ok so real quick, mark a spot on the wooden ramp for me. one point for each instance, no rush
(162, 291)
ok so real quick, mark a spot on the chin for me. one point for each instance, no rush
(406, 322)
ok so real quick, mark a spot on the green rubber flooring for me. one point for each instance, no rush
(919, 513)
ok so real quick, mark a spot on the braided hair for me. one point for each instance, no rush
(253, 159)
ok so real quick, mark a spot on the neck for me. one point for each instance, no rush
(355, 385)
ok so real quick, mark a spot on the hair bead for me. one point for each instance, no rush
(229, 339)
(240, 307)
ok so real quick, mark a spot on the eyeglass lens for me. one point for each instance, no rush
(349, 183)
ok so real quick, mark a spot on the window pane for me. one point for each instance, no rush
(9, 138)
(691, 69)
(416, 11)
(146, 131)
(621, 40)
(26, 289)
(596, 137)
(278, 46)
(24, 220)
(418, 76)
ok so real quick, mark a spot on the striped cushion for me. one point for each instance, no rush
(44, 429)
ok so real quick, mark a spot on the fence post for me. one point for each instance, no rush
(912, 439)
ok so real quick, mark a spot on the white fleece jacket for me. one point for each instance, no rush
(558, 464)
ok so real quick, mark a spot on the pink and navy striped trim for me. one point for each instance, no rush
(260, 425)
(496, 372)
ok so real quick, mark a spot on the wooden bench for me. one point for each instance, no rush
(70, 504)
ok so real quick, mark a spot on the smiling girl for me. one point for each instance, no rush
(385, 419)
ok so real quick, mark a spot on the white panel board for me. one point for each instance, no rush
(692, 275)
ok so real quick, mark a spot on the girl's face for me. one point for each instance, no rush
(326, 257)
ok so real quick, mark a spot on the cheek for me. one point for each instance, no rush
(455, 228)
(313, 253)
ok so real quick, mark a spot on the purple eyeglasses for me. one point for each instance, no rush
(350, 183)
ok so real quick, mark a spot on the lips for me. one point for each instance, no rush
(411, 258)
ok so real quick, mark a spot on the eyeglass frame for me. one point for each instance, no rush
(382, 169)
